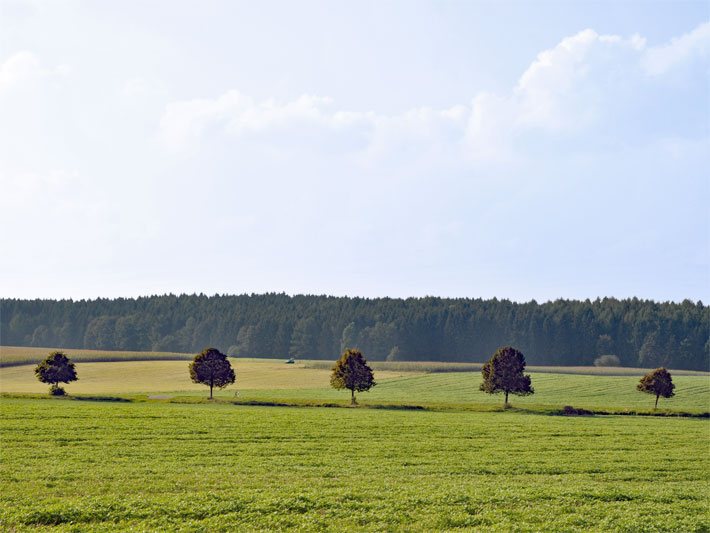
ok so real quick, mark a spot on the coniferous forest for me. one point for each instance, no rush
(564, 332)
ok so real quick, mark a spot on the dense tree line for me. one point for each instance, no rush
(564, 332)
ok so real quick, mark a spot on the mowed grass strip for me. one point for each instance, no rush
(460, 390)
(84, 466)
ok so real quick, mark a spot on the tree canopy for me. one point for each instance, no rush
(352, 372)
(211, 367)
(561, 332)
(55, 369)
(504, 372)
(657, 382)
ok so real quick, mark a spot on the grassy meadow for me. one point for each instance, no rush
(271, 380)
(165, 458)
(97, 466)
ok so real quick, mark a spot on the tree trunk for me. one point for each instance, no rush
(211, 385)
(352, 397)
(506, 399)
(656, 406)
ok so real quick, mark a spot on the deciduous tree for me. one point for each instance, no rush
(211, 367)
(658, 382)
(352, 372)
(504, 372)
(55, 369)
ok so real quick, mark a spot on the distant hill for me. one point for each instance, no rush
(564, 332)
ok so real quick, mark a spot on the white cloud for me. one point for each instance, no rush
(23, 68)
(554, 92)
(237, 114)
(580, 83)
(311, 118)
(566, 89)
(416, 131)
(491, 125)
(18, 68)
(659, 59)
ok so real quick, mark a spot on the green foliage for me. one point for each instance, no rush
(605, 344)
(248, 342)
(211, 367)
(657, 382)
(352, 372)
(304, 339)
(652, 352)
(504, 372)
(561, 333)
(56, 390)
(172, 467)
(55, 369)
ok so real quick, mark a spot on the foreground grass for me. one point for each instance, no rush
(83, 466)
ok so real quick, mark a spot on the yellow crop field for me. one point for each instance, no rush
(18, 355)
(130, 377)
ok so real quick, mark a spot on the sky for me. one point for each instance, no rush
(521, 150)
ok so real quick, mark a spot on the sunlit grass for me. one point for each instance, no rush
(262, 380)
(172, 376)
(22, 355)
(85, 466)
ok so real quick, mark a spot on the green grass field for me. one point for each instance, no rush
(183, 463)
(149, 466)
(263, 380)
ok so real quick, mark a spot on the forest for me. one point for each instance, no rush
(641, 333)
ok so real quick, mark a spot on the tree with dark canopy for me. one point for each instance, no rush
(504, 373)
(211, 367)
(658, 382)
(352, 372)
(55, 369)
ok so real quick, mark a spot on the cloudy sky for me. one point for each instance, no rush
(519, 150)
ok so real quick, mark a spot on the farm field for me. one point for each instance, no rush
(95, 466)
(22, 355)
(460, 391)
(172, 376)
(263, 380)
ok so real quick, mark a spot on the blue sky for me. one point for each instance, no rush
(512, 149)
